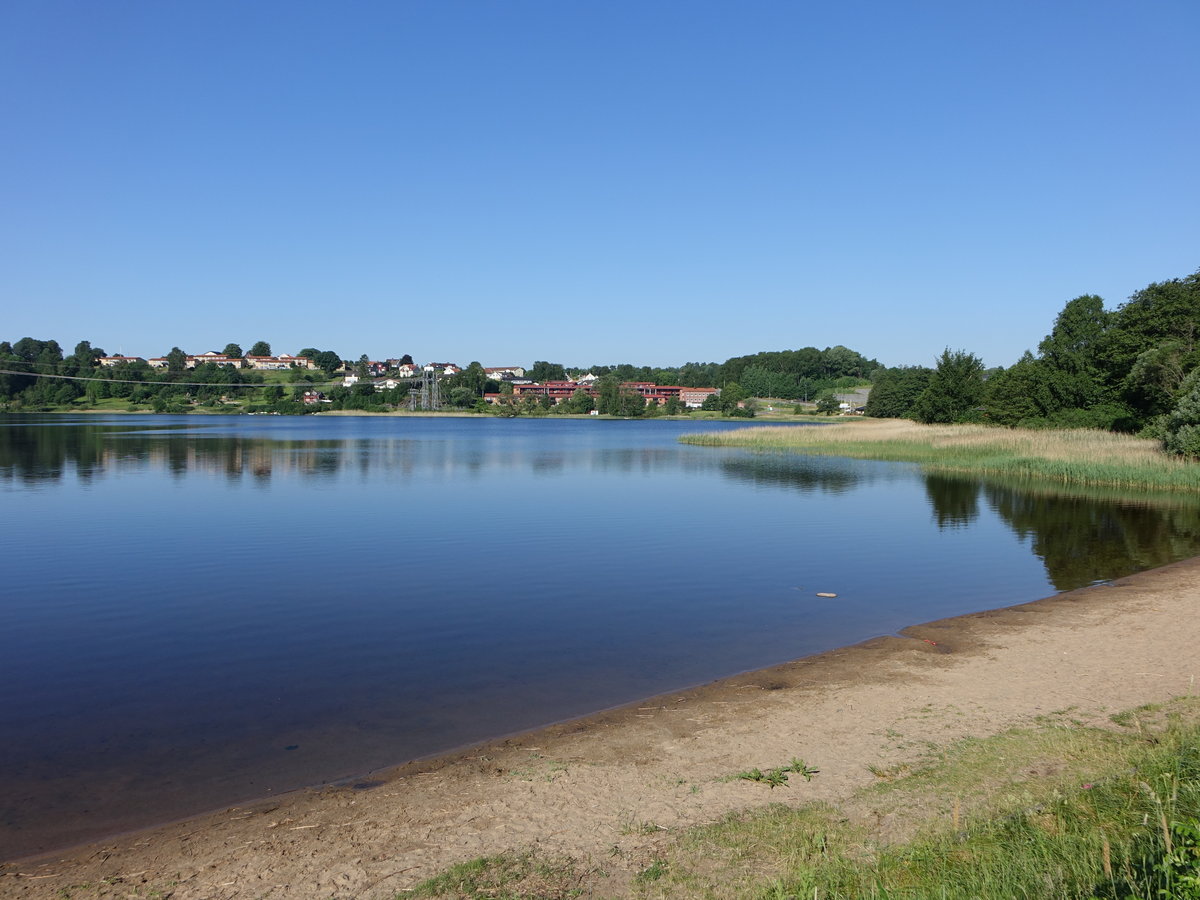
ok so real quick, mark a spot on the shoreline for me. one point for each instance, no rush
(575, 787)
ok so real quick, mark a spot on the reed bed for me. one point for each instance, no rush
(1066, 456)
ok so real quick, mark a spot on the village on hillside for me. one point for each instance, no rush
(391, 373)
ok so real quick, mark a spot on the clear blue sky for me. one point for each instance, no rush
(590, 181)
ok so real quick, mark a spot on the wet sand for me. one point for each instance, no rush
(614, 779)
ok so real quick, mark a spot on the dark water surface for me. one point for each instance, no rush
(197, 611)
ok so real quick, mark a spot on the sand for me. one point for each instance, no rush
(618, 779)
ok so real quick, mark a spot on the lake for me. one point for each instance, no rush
(198, 611)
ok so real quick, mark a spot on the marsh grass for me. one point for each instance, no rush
(1076, 456)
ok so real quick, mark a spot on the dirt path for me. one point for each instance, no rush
(616, 779)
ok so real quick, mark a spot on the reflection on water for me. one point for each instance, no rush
(1082, 535)
(203, 610)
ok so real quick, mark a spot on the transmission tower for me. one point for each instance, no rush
(430, 397)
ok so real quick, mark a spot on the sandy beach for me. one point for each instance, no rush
(608, 788)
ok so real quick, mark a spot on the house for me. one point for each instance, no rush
(386, 384)
(311, 397)
(110, 361)
(504, 373)
(693, 398)
(275, 363)
(212, 356)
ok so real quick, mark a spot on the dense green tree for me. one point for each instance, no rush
(896, 390)
(461, 396)
(232, 350)
(581, 402)
(1072, 355)
(608, 395)
(1017, 395)
(1160, 312)
(86, 356)
(631, 404)
(261, 348)
(176, 360)
(954, 390)
(542, 371)
(1183, 424)
(473, 378)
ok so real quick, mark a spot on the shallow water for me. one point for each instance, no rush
(197, 611)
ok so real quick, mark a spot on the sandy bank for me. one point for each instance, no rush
(588, 786)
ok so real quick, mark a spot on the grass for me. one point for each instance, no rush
(1055, 811)
(1075, 456)
(521, 876)
(1052, 811)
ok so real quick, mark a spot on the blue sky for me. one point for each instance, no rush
(589, 182)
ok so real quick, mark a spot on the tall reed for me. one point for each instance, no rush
(1074, 456)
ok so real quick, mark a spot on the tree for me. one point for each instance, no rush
(731, 395)
(955, 388)
(542, 371)
(828, 403)
(176, 360)
(232, 350)
(581, 402)
(1183, 424)
(327, 360)
(1072, 353)
(473, 378)
(86, 356)
(1017, 394)
(631, 404)
(260, 348)
(896, 390)
(608, 400)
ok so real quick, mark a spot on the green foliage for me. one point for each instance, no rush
(1182, 427)
(1117, 816)
(896, 390)
(524, 876)
(954, 389)
(260, 348)
(542, 371)
(778, 777)
(828, 404)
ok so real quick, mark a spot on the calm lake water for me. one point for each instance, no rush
(197, 611)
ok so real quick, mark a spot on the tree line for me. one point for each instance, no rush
(1134, 369)
(79, 380)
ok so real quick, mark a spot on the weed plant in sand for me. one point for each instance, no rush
(1077, 456)
(777, 777)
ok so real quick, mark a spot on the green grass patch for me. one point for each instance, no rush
(1055, 811)
(512, 876)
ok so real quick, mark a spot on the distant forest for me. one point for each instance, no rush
(1133, 369)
